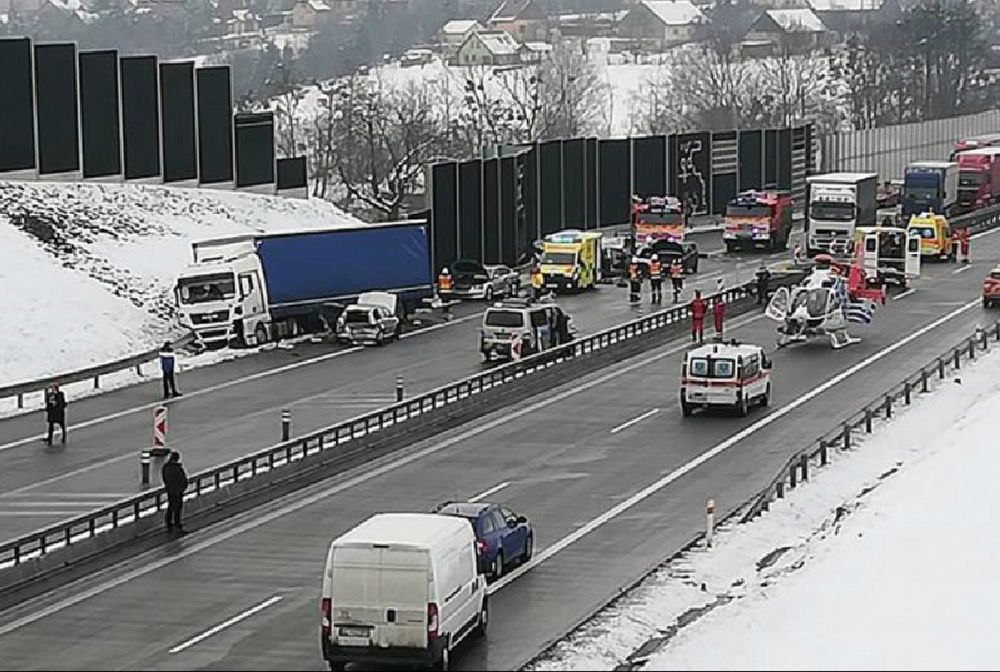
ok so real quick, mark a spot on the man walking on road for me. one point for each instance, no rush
(55, 411)
(697, 318)
(718, 313)
(176, 482)
(763, 276)
(168, 362)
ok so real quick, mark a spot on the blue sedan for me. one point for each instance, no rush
(503, 538)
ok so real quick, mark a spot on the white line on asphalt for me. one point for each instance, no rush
(486, 493)
(634, 421)
(905, 294)
(962, 269)
(230, 383)
(225, 624)
(153, 561)
(655, 487)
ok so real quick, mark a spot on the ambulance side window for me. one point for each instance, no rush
(751, 367)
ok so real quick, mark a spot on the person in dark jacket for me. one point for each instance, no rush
(763, 277)
(55, 411)
(176, 482)
(168, 363)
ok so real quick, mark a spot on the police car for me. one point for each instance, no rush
(517, 328)
(732, 375)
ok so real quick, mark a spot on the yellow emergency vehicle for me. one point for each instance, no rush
(935, 235)
(571, 260)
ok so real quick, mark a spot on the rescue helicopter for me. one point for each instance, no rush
(826, 303)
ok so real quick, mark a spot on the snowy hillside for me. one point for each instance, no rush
(883, 560)
(86, 269)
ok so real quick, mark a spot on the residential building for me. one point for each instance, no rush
(658, 24)
(534, 52)
(488, 48)
(794, 31)
(307, 14)
(456, 31)
(850, 16)
(522, 19)
(587, 24)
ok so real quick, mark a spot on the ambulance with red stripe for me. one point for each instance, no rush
(733, 375)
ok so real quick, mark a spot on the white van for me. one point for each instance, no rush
(728, 375)
(402, 588)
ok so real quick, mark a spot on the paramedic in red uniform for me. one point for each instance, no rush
(697, 317)
(718, 313)
(965, 242)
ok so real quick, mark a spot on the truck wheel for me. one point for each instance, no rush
(484, 618)
(686, 409)
(337, 666)
(260, 333)
(444, 662)
(741, 406)
(766, 398)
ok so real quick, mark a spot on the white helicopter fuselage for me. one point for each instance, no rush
(811, 310)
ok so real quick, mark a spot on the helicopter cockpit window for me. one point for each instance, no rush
(817, 302)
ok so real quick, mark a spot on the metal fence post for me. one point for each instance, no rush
(958, 358)
(399, 389)
(709, 522)
(804, 464)
(888, 406)
(996, 329)
(286, 424)
(847, 434)
(779, 488)
(940, 368)
(923, 380)
(868, 421)
(792, 477)
(822, 452)
(982, 337)
(906, 392)
(144, 465)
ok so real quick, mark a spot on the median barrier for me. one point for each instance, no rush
(291, 465)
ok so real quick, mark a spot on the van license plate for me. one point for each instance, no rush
(348, 631)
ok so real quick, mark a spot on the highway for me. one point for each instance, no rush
(610, 497)
(234, 408)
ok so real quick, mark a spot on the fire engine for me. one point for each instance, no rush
(758, 218)
(658, 218)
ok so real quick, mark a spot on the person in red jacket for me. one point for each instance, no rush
(965, 241)
(718, 313)
(697, 317)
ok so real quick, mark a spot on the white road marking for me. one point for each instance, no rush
(153, 561)
(655, 487)
(231, 383)
(225, 624)
(903, 295)
(486, 493)
(962, 269)
(634, 421)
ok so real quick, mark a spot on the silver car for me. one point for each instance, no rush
(372, 319)
(473, 280)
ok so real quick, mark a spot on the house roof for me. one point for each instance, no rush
(845, 5)
(498, 42)
(537, 46)
(318, 5)
(796, 20)
(460, 26)
(510, 10)
(674, 12)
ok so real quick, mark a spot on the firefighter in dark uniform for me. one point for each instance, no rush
(763, 276)
(634, 281)
(656, 279)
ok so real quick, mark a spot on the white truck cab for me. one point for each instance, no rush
(732, 375)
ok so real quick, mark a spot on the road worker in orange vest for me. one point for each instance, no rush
(677, 278)
(537, 282)
(634, 281)
(656, 278)
(444, 283)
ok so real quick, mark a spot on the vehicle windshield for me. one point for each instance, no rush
(504, 318)
(357, 316)
(205, 288)
(832, 212)
(755, 211)
(559, 258)
(925, 232)
(661, 218)
(921, 193)
(815, 302)
(711, 368)
(995, 275)
(971, 178)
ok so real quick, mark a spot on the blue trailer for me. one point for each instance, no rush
(255, 288)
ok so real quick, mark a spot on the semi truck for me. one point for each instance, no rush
(836, 204)
(758, 218)
(977, 142)
(978, 178)
(250, 289)
(930, 186)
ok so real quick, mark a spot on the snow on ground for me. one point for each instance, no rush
(87, 269)
(884, 560)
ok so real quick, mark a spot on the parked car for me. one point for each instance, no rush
(502, 537)
(373, 319)
(473, 280)
(667, 251)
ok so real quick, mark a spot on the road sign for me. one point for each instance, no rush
(160, 431)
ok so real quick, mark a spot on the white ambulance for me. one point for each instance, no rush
(733, 375)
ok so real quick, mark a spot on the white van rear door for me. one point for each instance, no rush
(380, 597)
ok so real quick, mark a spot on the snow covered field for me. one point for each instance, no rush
(86, 270)
(884, 560)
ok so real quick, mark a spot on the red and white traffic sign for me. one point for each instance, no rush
(160, 430)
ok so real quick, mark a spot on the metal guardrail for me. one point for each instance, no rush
(349, 435)
(881, 407)
(90, 373)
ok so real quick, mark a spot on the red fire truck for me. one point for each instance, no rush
(758, 218)
(658, 218)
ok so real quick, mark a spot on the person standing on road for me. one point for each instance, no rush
(677, 278)
(656, 279)
(537, 283)
(697, 318)
(175, 481)
(634, 281)
(168, 363)
(763, 277)
(965, 242)
(55, 411)
(797, 254)
(718, 314)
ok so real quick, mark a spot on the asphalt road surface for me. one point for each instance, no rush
(234, 408)
(610, 496)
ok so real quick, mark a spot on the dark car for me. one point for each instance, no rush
(503, 538)
(667, 251)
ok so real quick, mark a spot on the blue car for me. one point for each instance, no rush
(503, 538)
